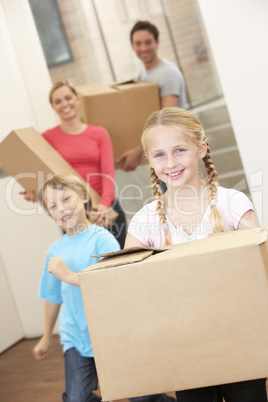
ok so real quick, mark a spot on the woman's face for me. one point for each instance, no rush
(65, 103)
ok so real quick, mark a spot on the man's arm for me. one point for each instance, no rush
(169, 101)
(131, 158)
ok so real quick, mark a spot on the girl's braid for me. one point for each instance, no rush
(212, 175)
(212, 182)
(156, 189)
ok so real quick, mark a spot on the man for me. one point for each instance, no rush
(144, 38)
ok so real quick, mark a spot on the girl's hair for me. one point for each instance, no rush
(187, 124)
(58, 85)
(61, 181)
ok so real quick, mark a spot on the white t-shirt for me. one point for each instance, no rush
(145, 225)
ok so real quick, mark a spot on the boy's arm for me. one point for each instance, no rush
(40, 351)
(57, 267)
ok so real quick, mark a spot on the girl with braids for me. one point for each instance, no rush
(191, 209)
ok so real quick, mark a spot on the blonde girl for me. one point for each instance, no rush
(63, 197)
(174, 143)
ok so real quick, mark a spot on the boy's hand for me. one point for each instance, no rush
(40, 351)
(57, 267)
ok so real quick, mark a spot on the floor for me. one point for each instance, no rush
(23, 379)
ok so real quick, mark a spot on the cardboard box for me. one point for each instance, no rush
(121, 109)
(191, 316)
(27, 156)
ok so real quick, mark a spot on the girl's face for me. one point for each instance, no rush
(65, 103)
(174, 156)
(66, 207)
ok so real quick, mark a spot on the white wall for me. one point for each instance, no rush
(237, 32)
(24, 83)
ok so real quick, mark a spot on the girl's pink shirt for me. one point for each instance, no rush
(145, 226)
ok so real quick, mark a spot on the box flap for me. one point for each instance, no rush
(129, 250)
(115, 261)
(133, 85)
(94, 89)
(217, 242)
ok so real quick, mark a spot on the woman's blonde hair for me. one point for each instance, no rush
(58, 85)
(61, 181)
(188, 124)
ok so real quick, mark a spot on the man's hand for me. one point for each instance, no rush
(131, 158)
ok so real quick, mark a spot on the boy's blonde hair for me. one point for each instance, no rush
(188, 124)
(61, 181)
(58, 85)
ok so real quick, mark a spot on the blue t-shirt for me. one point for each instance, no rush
(75, 252)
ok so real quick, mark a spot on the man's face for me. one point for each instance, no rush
(145, 46)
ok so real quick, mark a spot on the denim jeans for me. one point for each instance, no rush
(246, 391)
(119, 228)
(153, 398)
(80, 378)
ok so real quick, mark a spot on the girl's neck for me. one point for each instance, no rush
(187, 195)
(74, 126)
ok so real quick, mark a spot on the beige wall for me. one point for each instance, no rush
(237, 32)
(24, 82)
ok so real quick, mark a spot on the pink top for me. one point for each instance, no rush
(145, 225)
(90, 153)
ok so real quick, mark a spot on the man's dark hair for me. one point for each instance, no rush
(144, 25)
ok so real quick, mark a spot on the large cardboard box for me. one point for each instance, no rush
(27, 156)
(121, 109)
(194, 315)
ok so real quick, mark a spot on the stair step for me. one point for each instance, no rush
(214, 117)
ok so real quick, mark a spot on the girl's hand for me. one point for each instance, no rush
(57, 267)
(29, 195)
(101, 217)
(40, 351)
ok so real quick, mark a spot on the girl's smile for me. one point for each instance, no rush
(174, 156)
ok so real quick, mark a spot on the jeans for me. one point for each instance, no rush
(118, 228)
(153, 398)
(246, 391)
(80, 378)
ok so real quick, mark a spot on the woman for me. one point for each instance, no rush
(88, 150)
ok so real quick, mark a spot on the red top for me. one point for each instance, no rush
(90, 153)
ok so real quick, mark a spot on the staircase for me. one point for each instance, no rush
(215, 119)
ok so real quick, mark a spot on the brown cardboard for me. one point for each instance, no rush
(191, 316)
(27, 156)
(121, 109)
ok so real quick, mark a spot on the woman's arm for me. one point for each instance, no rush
(248, 221)
(106, 168)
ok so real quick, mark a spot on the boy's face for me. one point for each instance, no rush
(145, 46)
(66, 207)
